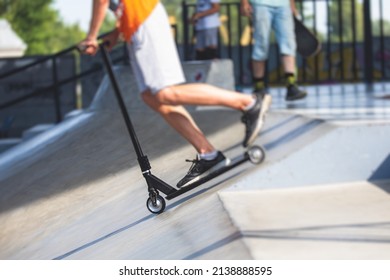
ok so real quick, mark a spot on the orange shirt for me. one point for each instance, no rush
(132, 13)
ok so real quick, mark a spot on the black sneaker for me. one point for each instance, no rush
(294, 93)
(254, 118)
(200, 168)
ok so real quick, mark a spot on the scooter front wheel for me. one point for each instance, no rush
(156, 205)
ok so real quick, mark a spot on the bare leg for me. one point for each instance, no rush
(258, 68)
(289, 64)
(168, 103)
(203, 94)
(181, 121)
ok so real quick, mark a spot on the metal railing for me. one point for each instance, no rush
(56, 83)
(355, 46)
(52, 88)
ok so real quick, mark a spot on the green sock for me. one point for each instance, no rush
(258, 83)
(290, 79)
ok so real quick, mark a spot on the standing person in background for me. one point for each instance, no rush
(206, 21)
(277, 15)
(144, 25)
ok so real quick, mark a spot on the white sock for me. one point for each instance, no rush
(251, 105)
(209, 156)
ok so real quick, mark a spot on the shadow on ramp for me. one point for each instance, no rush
(382, 173)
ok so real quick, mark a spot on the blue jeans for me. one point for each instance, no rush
(279, 19)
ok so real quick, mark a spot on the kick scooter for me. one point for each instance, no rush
(155, 202)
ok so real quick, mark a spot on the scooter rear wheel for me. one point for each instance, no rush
(256, 154)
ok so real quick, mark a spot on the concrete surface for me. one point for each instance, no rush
(338, 221)
(76, 191)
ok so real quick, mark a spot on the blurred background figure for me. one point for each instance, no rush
(206, 23)
(268, 15)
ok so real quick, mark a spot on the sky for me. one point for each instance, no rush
(75, 11)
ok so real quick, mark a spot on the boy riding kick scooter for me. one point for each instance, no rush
(156, 203)
(153, 55)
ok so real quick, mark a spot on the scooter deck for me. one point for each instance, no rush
(233, 163)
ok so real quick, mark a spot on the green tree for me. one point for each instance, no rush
(39, 25)
(30, 20)
(62, 36)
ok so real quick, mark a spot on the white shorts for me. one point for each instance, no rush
(153, 54)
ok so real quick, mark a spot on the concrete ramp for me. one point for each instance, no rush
(57, 189)
(76, 191)
(306, 222)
